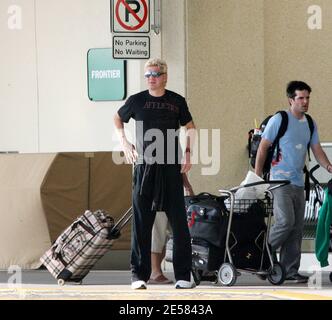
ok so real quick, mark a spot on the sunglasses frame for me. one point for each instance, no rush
(153, 74)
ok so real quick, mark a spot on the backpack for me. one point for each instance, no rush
(255, 138)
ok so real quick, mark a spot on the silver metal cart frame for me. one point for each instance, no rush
(227, 273)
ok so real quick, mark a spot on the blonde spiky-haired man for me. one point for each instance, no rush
(159, 164)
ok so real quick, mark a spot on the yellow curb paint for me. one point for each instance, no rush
(300, 295)
(125, 293)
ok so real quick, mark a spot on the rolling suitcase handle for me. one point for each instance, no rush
(115, 231)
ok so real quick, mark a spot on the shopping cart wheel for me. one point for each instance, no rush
(277, 274)
(61, 282)
(331, 276)
(227, 274)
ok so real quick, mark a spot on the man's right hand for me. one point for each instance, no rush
(261, 156)
(128, 148)
(129, 151)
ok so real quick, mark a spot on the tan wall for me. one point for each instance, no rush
(241, 54)
(225, 80)
(294, 52)
(173, 43)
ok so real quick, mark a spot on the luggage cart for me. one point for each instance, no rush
(228, 272)
(316, 200)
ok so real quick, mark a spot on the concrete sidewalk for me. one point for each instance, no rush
(115, 285)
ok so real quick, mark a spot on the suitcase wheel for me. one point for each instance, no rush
(215, 280)
(197, 276)
(61, 282)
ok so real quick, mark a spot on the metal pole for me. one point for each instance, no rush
(156, 16)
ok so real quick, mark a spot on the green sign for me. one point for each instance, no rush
(106, 76)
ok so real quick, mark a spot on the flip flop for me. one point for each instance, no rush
(161, 279)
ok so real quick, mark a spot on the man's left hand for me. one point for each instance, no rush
(186, 163)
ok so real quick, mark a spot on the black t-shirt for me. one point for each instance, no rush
(157, 122)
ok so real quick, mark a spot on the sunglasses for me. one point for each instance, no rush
(153, 74)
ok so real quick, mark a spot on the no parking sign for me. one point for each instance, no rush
(131, 16)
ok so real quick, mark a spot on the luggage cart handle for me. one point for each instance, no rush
(276, 184)
(317, 186)
(311, 175)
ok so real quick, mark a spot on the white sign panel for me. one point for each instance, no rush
(131, 47)
(131, 16)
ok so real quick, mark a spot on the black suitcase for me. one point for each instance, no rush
(208, 221)
(207, 218)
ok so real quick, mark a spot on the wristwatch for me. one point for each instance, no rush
(188, 150)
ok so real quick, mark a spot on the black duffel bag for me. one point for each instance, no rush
(250, 255)
(207, 218)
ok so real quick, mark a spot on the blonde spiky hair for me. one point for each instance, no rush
(156, 62)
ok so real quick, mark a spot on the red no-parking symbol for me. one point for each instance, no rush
(131, 16)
